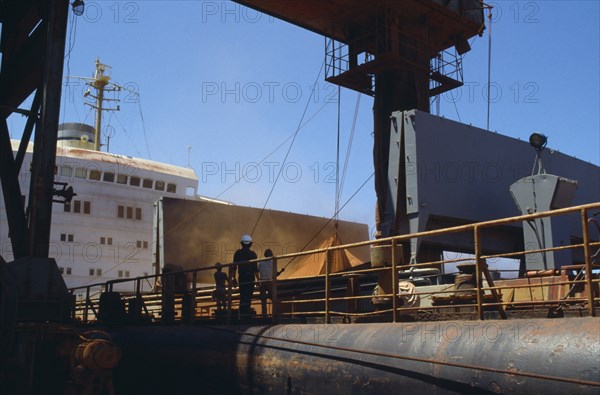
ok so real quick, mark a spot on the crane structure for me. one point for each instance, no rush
(400, 52)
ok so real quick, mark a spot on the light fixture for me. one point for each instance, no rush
(78, 7)
(462, 45)
(538, 141)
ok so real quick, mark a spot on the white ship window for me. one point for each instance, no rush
(159, 186)
(129, 212)
(126, 273)
(138, 213)
(95, 175)
(121, 211)
(98, 272)
(80, 172)
(109, 177)
(147, 183)
(67, 207)
(135, 181)
(103, 240)
(66, 171)
(70, 238)
(87, 207)
(172, 188)
(68, 271)
(77, 206)
(145, 244)
(61, 270)
(122, 178)
(120, 273)
(106, 240)
(109, 241)
(139, 244)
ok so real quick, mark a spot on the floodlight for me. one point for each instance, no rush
(538, 141)
(78, 7)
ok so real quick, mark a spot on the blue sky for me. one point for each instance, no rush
(234, 84)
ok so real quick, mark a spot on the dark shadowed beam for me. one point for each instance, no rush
(44, 152)
(15, 212)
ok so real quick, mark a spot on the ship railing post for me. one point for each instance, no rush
(477, 246)
(327, 285)
(394, 283)
(137, 303)
(194, 293)
(229, 296)
(274, 300)
(588, 263)
(72, 305)
(87, 303)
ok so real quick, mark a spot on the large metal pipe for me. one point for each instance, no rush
(515, 356)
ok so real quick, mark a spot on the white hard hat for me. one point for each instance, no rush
(246, 239)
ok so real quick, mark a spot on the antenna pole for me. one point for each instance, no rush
(99, 85)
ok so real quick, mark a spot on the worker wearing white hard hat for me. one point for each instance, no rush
(247, 273)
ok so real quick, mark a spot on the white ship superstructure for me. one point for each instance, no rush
(105, 232)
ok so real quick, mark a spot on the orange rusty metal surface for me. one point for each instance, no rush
(342, 19)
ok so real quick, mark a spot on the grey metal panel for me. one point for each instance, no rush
(395, 177)
(464, 173)
(539, 193)
(199, 233)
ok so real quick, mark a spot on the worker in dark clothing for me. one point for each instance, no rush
(220, 292)
(247, 273)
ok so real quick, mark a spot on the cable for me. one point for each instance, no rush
(337, 158)
(334, 216)
(192, 215)
(273, 151)
(72, 36)
(489, 93)
(349, 149)
(290, 147)
(87, 115)
(127, 134)
(456, 109)
(143, 124)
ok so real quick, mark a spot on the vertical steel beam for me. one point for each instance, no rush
(274, 297)
(588, 263)
(15, 211)
(495, 293)
(478, 264)
(327, 285)
(44, 152)
(394, 283)
(32, 121)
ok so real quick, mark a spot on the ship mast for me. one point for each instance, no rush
(101, 83)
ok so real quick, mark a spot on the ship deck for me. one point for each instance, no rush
(347, 296)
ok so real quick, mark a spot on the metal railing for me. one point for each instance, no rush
(188, 301)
